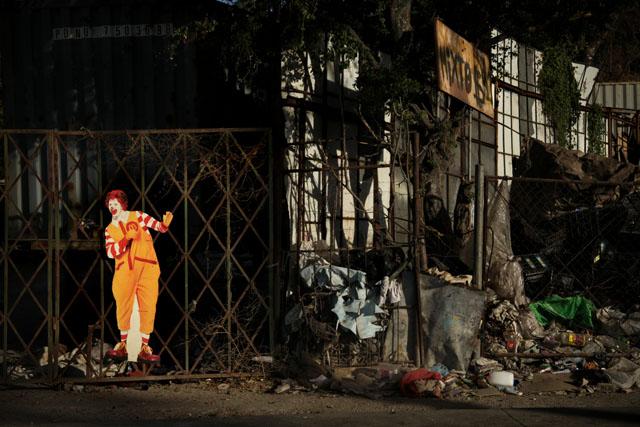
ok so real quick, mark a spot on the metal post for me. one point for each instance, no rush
(143, 184)
(51, 171)
(417, 199)
(379, 231)
(272, 267)
(392, 197)
(278, 151)
(5, 291)
(485, 214)
(101, 217)
(187, 252)
(469, 145)
(610, 149)
(479, 237)
(57, 248)
(479, 226)
(228, 252)
(300, 198)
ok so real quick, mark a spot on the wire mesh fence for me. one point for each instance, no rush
(573, 237)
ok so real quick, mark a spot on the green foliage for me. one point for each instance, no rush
(559, 89)
(596, 130)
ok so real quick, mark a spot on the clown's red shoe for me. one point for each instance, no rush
(146, 355)
(118, 353)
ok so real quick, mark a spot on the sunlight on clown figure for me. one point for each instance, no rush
(136, 273)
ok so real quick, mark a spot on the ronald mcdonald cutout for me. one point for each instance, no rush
(136, 273)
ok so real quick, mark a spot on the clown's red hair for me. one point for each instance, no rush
(119, 195)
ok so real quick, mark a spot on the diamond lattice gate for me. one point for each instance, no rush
(214, 311)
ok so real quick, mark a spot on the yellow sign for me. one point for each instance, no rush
(463, 71)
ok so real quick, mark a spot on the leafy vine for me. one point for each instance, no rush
(559, 90)
(596, 130)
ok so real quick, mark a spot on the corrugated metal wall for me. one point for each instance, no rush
(618, 95)
(105, 65)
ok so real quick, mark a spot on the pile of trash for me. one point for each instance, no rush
(80, 362)
(595, 348)
(342, 312)
(562, 290)
(371, 316)
(565, 335)
(548, 261)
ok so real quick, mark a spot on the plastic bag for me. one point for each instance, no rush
(504, 271)
(575, 311)
(529, 325)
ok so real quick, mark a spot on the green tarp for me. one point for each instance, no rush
(572, 312)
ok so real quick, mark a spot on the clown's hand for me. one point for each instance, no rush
(131, 234)
(167, 218)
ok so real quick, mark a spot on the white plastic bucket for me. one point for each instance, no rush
(502, 378)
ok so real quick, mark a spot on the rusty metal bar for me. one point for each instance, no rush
(187, 253)
(353, 248)
(141, 140)
(137, 131)
(417, 257)
(485, 227)
(609, 135)
(479, 231)
(342, 183)
(300, 203)
(379, 232)
(277, 150)
(55, 190)
(101, 320)
(552, 355)
(392, 197)
(227, 248)
(271, 270)
(479, 226)
(51, 171)
(147, 378)
(5, 286)
(468, 153)
(552, 180)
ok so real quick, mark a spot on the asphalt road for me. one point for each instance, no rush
(208, 405)
(564, 417)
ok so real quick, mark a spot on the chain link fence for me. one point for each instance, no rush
(574, 237)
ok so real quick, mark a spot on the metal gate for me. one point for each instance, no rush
(214, 307)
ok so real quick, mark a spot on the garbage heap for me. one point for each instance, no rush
(561, 254)
(361, 331)
(561, 297)
(341, 310)
(79, 362)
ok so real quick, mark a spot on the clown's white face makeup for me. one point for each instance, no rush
(115, 207)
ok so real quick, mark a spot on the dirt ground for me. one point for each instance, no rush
(215, 400)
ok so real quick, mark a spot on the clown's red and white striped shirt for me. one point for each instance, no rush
(146, 222)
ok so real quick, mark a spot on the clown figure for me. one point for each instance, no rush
(136, 272)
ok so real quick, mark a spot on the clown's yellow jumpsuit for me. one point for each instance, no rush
(136, 268)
